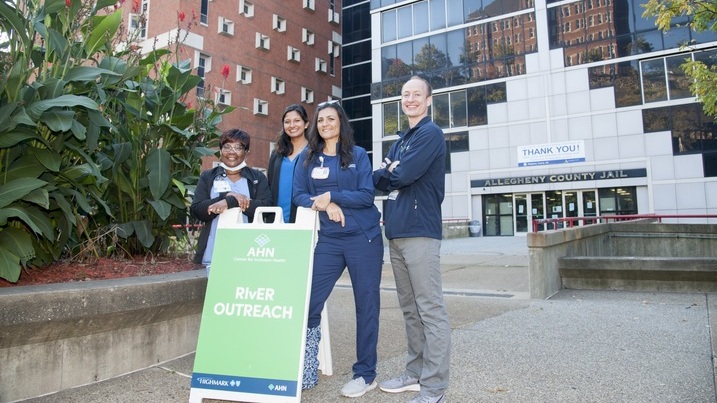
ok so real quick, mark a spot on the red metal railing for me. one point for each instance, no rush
(569, 222)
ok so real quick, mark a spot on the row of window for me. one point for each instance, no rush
(640, 82)
(460, 56)
(246, 8)
(430, 15)
(692, 131)
(455, 142)
(455, 109)
(590, 32)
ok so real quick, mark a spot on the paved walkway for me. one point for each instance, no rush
(578, 346)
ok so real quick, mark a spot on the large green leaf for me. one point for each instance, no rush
(87, 73)
(66, 101)
(14, 138)
(159, 175)
(16, 79)
(57, 44)
(16, 23)
(5, 113)
(27, 166)
(54, 6)
(58, 120)
(78, 130)
(17, 242)
(104, 30)
(9, 265)
(48, 158)
(143, 229)
(17, 189)
(85, 174)
(125, 230)
(52, 88)
(39, 197)
(31, 216)
(162, 208)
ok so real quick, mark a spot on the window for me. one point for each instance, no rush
(321, 65)
(226, 26)
(262, 41)
(138, 22)
(261, 107)
(223, 97)
(279, 23)
(310, 5)
(138, 25)
(333, 15)
(204, 65)
(204, 12)
(307, 95)
(277, 86)
(243, 75)
(307, 37)
(334, 49)
(293, 54)
(246, 8)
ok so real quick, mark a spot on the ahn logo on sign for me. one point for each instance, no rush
(261, 251)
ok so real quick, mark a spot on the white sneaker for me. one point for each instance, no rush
(357, 387)
(402, 383)
(421, 398)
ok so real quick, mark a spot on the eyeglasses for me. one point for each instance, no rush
(236, 148)
(332, 102)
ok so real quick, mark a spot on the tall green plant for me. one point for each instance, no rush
(95, 143)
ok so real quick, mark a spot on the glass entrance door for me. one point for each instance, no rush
(521, 213)
(537, 209)
(589, 204)
(570, 204)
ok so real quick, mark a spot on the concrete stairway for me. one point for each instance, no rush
(639, 273)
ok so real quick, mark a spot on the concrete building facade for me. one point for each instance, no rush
(550, 109)
(273, 53)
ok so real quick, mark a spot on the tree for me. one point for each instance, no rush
(702, 17)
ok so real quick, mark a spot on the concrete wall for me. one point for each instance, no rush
(613, 239)
(59, 336)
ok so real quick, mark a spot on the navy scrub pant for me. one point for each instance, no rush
(364, 259)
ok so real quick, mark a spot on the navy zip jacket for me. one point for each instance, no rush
(419, 178)
(355, 195)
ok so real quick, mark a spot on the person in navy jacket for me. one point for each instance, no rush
(413, 174)
(334, 177)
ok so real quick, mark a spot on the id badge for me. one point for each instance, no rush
(320, 173)
(222, 186)
(393, 195)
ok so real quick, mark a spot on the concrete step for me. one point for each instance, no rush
(639, 273)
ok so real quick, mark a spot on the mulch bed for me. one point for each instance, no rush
(102, 268)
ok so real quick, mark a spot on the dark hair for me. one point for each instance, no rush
(346, 135)
(429, 88)
(283, 141)
(235, 135)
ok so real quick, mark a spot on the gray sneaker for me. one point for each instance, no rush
(357, 387)
(402, 383)
(421, 398)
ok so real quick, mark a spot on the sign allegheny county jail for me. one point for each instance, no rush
(554, 153)
(560, 178)
(250, 343)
